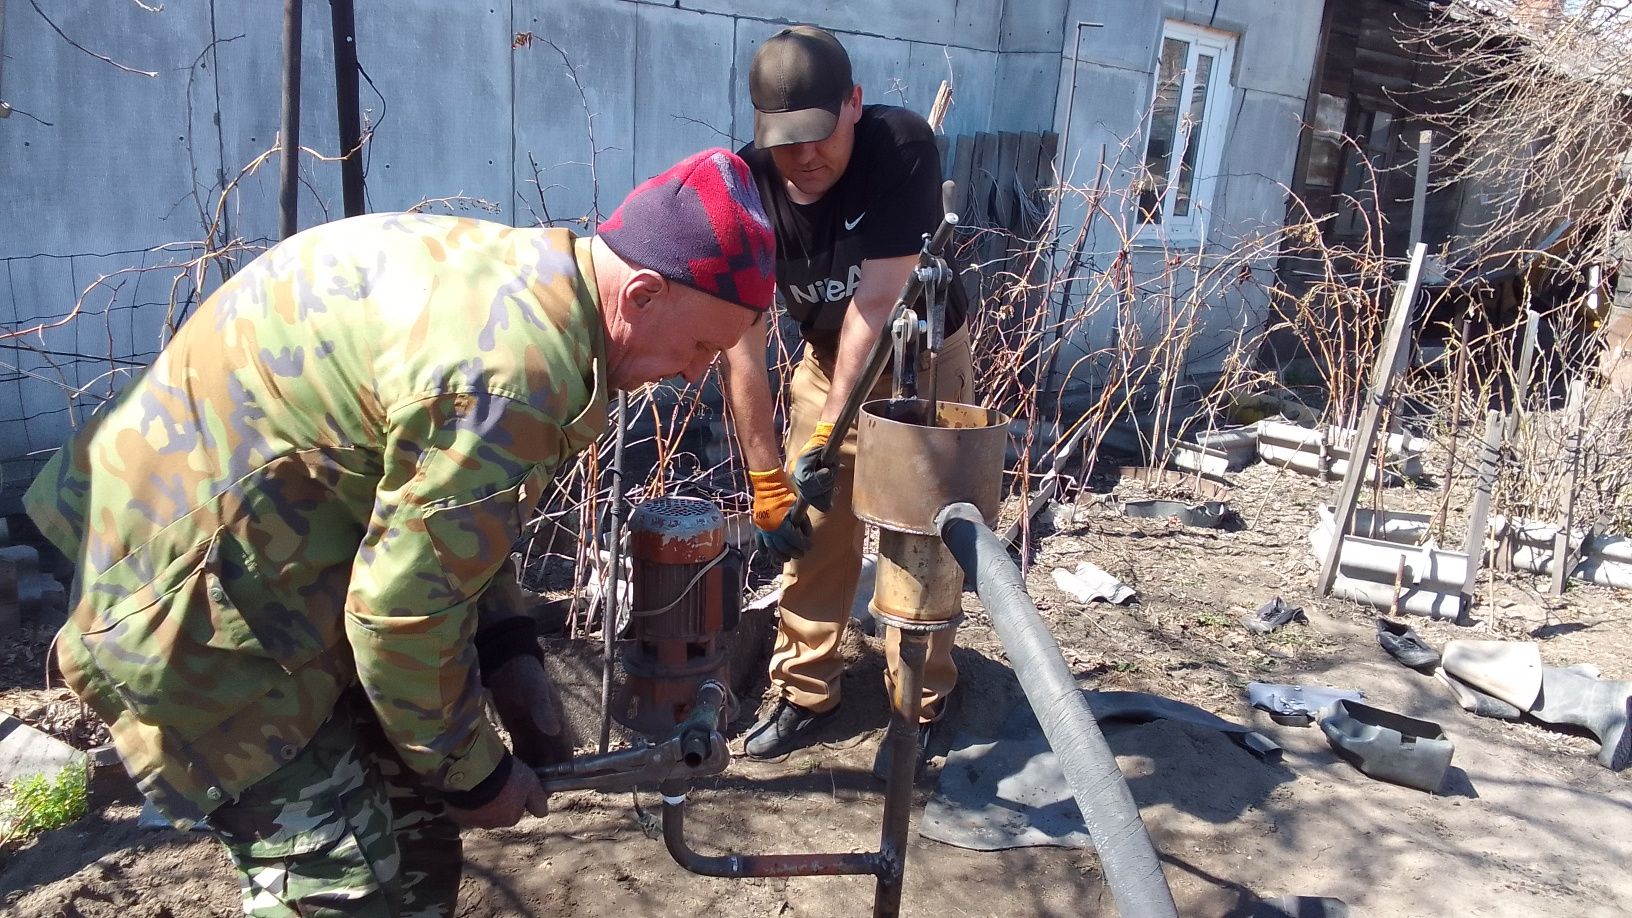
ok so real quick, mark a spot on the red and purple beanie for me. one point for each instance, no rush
(700, 223)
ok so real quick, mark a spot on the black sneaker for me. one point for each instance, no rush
(782, 730)
(881, 759)
(1404, 645)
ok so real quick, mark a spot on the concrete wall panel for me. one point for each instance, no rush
(552, 124)
(683, 85)
(1023, 96)
(1276, 53)
(1035, 25)
(969, 23)
(1257, 163)
(449, 101)
(114, 146)
(971, 73)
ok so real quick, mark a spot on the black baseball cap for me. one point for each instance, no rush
(799, 80)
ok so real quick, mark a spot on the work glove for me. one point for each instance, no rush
(518, 792)
(811, 478)
(779, 531)
(512, 667)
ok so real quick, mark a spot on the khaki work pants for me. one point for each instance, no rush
(819, 589)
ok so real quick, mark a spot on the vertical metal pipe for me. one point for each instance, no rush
(289, 122)
(611, 599)
(903, 740)
(344, 19)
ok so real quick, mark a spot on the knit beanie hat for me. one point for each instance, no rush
(700, 223)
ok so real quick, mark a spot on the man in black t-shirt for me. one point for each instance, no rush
(850, 190)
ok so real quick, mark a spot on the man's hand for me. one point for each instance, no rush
(530, 709)
(520, 794)
(813, 479)
(780, 531)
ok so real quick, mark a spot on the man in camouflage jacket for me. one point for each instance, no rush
(285, 525)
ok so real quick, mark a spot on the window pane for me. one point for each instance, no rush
(1192, 133)
(1164, 127)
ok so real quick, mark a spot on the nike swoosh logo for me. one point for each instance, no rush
(852, 224)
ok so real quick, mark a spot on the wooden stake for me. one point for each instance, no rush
(1384, 375)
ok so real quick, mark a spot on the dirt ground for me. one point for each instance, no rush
(1527, 824)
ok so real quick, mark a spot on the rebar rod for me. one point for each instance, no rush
(613, 598)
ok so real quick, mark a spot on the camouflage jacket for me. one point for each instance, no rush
(310, 488)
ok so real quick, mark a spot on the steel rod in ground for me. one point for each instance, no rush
(903, 744)
(289, 124)
(612, 598)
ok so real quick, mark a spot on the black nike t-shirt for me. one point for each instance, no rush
(887, 199)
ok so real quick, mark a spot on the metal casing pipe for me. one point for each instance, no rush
(906, 470)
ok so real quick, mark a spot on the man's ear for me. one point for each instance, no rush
(855, 100)
(640, 292)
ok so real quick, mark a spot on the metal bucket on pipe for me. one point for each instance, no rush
(906, 471)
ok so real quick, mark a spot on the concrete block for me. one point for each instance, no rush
(23, 560)
(48, 597)
(1110, 107)
(977, 23)
(551, 122)
(882, 68)
(683, 86)
(26, 751)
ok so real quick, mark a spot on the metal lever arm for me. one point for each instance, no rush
(695, 749)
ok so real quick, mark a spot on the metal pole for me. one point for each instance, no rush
(347, 105)
(903, 740)
(612, 599)
(289, 122)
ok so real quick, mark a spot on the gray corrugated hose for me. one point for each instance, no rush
(1132, 869)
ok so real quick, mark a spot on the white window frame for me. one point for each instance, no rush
(1192, 228)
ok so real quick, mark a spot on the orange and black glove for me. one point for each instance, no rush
(811, 478)
(779, 530)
